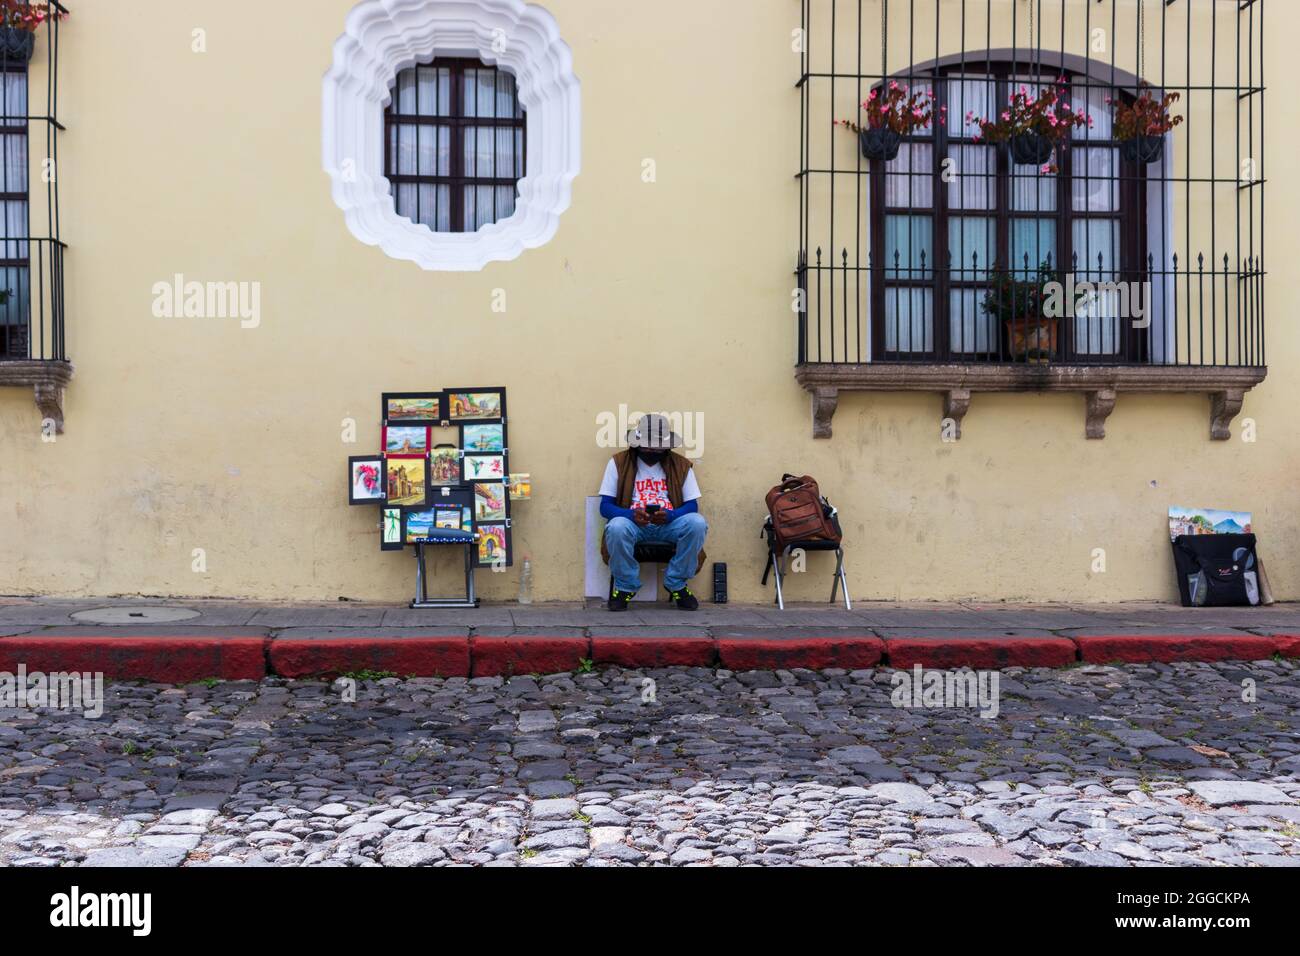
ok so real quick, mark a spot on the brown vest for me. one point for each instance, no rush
(675, 468)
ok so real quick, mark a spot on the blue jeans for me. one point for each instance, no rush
(622, 535)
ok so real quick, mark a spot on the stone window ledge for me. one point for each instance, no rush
(1100, 385)
(46, 379)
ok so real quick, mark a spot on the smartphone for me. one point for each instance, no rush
(651, 509)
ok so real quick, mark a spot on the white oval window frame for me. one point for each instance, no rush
(384, 37)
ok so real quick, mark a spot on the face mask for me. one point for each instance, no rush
(651, 458)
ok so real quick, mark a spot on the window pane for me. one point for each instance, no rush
(969, 95)
(428, 155)
(505, 151)
(505, 105)
(443, 209)
(971, 329)
(1095, 183)
(427, 214)
(469, 98)
(1033, 241)
(909, 241)
(505, 202)
(975, 184)
(407, 197)
(1093, 101)
(406, 92)
(17, 280)
(480, 151)
(426, 89)
(15, 94)
(909, 320)
(910, 177)
(972, 246)
(1096, 248)
(406, 150)
(14, 177)
(1032, 190)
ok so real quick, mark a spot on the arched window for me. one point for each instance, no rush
(951, 209)
(455, 144)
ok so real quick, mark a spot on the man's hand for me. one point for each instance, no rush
(640, 517)
(660, 517)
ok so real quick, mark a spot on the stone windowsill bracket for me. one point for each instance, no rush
(46, 379)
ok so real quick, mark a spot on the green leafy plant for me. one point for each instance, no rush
(1145, 116)
(1048, 115)
(900, 110)
(1017, 299)
(28, 16)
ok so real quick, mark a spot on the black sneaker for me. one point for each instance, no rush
(684, 599)
(618, 600)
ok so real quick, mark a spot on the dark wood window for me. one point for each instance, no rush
(15, 271)
(937, 236)
(455, 144)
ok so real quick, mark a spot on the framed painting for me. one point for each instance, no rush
(418, 523)
(412, 408)
(494, 545)
(484, 468)
(444, 465)
(476, 405)
(366, 480)
(406, 441)
(489, 502)
(406, 481)
(390, 530)
(483, 439)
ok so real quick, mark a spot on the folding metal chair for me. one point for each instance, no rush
(774, 559)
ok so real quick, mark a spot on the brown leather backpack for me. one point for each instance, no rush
(800, 513)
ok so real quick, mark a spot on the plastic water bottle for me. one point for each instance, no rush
(526, 583)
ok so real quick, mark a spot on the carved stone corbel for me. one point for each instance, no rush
(824, 402)
(49, 400)
(1224, 407)
(1100, 404)
(956, 402)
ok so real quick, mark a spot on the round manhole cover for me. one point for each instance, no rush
(134, 615)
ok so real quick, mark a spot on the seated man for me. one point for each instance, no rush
(649, 495)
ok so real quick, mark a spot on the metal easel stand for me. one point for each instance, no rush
(422, 599)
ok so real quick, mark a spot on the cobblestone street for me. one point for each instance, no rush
(1091, 765)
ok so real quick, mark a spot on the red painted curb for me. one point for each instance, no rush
(515, 656)
(403, 656)
(981, 653)
(167, 660)
(1288, 645)
(656, 652)
(812, 653)
(1167, 648)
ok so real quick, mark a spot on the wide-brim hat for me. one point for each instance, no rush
(653, 433)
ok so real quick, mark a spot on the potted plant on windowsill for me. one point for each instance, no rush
(898, 113)
(1034, 129)
(1141, 126)
(1018, 304)
(19, 21)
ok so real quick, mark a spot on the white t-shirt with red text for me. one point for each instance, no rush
(650, 486)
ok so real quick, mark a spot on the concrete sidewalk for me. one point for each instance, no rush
(183, 640)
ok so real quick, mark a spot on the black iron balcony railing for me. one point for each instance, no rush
(32, 317)
(951, 251)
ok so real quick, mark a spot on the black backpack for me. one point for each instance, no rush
(1217, 570)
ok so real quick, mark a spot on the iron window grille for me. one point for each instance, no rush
(31, 250)
(1185, 232)
(455, 144)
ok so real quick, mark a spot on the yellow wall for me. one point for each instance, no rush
(195, 433)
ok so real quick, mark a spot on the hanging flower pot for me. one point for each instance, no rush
(1030, 149)
(16, 45)
(880, 144)
(897, 113)
(1143, 149)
